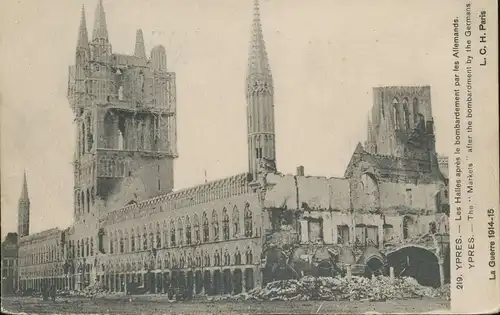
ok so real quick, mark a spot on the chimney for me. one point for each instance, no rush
(300, 170)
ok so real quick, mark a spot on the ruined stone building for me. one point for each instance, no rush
(231, 234)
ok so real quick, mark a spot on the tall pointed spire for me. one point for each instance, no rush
(24, 191)
(100, 28)
(83, 37)
(140, 50)
(257, 59)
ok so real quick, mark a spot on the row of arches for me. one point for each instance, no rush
(183, 260)
(41, 255)
(184, 231)
(81, 248)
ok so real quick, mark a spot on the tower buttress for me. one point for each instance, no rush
(23, 221)
(260, 100)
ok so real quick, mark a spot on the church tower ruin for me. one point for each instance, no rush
(260, 101)
(125, 112)
(23, 214)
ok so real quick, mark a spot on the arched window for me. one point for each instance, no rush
(158, 235)
(407, 226)
(227, 258)
(217, 257)
(395, 113)
(249, 256)
(415, 111)
(196, 228)
(215, 225)
(188, 231)
(165, 234)
(236, 222)
(248, 221)
(88, 201)
(406, 114)
(205, 228)
(181, 231)
(172, 233)
(225, 224)
(111, 243)
(125, 241)
(206, 258)
(122, 243)
(369, 192)
(237, 257)
(151, 242)
(91, 246)
(145, 239)
(132, 241)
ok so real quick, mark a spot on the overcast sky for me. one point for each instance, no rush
(325, 56)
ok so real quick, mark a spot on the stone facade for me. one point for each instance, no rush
(10, 264)
(232, 234)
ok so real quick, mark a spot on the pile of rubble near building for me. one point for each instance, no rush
(343, 289)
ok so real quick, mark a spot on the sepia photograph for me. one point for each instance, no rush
(249, 157)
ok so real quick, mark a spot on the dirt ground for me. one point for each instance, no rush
(155, 305)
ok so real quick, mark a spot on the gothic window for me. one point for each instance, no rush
(217, 257)
(125, 241)
(395, 113)
(172, 233)
(236, 222)
(248, 221)
(369, 190)
(215, 225)
(406, 114)
(132, 241)
(196, 228)
(158, 236)
(205, 228)
(122, 243)
(409, 197)
(88, 201)
(181, 231)
(227, 258)
(188, 231)
(151, 239)
(92, 193)
(415, 111)
(407, 226)
(190, 261)
(206, 257)
(111, 245)
(144, 239)
(165, 234)
(237, 257)
(249, 256)
(225, 224)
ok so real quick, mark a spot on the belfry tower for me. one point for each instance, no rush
(23, 215)
(124, 109)
(260, 101)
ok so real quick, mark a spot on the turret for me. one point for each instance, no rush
(159, 58)
(140, 50)
(260, 101)
(100, 45)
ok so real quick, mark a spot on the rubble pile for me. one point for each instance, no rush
(341, 289)
(93, 290)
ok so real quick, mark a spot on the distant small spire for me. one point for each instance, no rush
(24, 191)
(257, 60)
(100, 27)
(83, 37)
(140, 50)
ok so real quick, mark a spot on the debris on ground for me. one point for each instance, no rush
(341, 289)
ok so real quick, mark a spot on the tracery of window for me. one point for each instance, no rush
(181, 231)
(225, 224)
(248, 221)
(165, 234)
(158, 236)
(206, 230)
(215, 225)
(132, 241)
(196, 228)
(188, 231)
(172, 233)
(236, 222)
